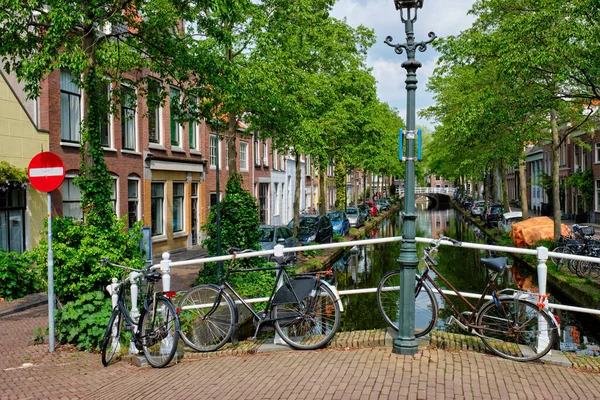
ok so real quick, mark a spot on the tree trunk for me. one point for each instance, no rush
(555, 175)
(231, 146)
(504, 185)
(297, 194)
(523, 187)
(322, 192)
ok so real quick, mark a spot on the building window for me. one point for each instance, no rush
(193, 126)
(157, 197)
(128, 106)
(133, 201)
(12, 219)
(154, 111)
(213, 150)
(70, 108)
(281, 163)
(244, 156)
(275, 159)
(264, 153)
(276, 199)
(597, 196)
(213, 199)
(226, 155)
(256, 152)
(178, 193)
(105, 128)
(113, 195)
(71, 196)
(175, 126)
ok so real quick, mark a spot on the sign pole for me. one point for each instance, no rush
(51, 303)
(46, 173)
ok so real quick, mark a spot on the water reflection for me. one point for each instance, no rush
(363, 267)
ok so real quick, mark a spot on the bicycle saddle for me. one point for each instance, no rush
(154, 277)
(496, 264)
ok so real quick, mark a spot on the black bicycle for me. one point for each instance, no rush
(155, 331)
(514, 324)
(304, 311)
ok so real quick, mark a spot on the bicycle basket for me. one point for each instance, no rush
(584, 230)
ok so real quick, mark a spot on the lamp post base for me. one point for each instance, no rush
(405, 347)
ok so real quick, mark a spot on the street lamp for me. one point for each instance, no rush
(406, 343)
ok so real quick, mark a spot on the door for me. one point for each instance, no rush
(263, 193)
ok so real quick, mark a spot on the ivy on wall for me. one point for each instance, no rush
(11, 176)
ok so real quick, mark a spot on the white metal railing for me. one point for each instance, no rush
(541, 254)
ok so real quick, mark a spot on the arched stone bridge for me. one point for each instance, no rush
(437, 195)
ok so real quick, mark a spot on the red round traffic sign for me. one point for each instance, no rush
(46, 171)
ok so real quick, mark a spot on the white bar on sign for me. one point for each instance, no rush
(54, 171)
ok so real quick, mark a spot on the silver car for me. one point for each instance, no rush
(356, 218)
(271, 235)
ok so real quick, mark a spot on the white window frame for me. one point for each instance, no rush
(134, 121)
(276, 199)
(212, 156)
(178, 127)
(256, 152)
(158, 114)
(244, 156)
(69, 181)
(115, 195)
(182, 197)
(265, 152)
(275, 159)
(136, 199)
(109, 122)
(162, 234)
(74, 137)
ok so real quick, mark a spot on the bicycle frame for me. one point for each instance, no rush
(467, 323)
(281, 275)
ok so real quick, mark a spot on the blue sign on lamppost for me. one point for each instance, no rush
(406, 343)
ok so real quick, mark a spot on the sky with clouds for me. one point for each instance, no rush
(443, 17)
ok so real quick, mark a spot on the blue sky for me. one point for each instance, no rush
(443, 17)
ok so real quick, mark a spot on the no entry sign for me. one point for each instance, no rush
(46, 171)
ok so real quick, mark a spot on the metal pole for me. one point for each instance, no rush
(219, 263)
(51, 304)
(406, 343)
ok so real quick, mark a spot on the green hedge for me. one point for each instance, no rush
(19, 275)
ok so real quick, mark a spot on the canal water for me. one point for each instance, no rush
(363, 266)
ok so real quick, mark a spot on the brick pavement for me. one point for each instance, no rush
(367, 373)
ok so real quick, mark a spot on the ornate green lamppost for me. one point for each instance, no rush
(406, 343)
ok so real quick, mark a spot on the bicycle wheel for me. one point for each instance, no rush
(388, 301)
(207, 318)
(159, 332)
(517, 329)
(583, 269)
(558, 261)
(310, 324)
(573, 266)
(110, 343)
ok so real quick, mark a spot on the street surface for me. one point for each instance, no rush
(31, 372)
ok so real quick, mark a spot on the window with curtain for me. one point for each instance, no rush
(70, 107)
(178, 197)
(157, 200)
(128, 106)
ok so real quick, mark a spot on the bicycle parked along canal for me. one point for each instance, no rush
(304, 310)
(515, 325)
(155, 331)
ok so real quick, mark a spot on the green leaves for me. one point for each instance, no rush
(19, 275)
(82, 322)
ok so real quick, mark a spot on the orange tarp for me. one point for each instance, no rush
(528, 232)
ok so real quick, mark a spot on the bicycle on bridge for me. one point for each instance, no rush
(304, 310)
(155, 331)
(514, 324)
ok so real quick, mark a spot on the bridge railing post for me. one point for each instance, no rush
(542, 272)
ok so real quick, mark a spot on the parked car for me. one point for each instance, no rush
(314, 228)
(477, 208)
(494, 215)
(382, 205)
(508, 218)
(271, 235)
(355, 217)
(340, 222)
(372, 208)
(365, 210)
